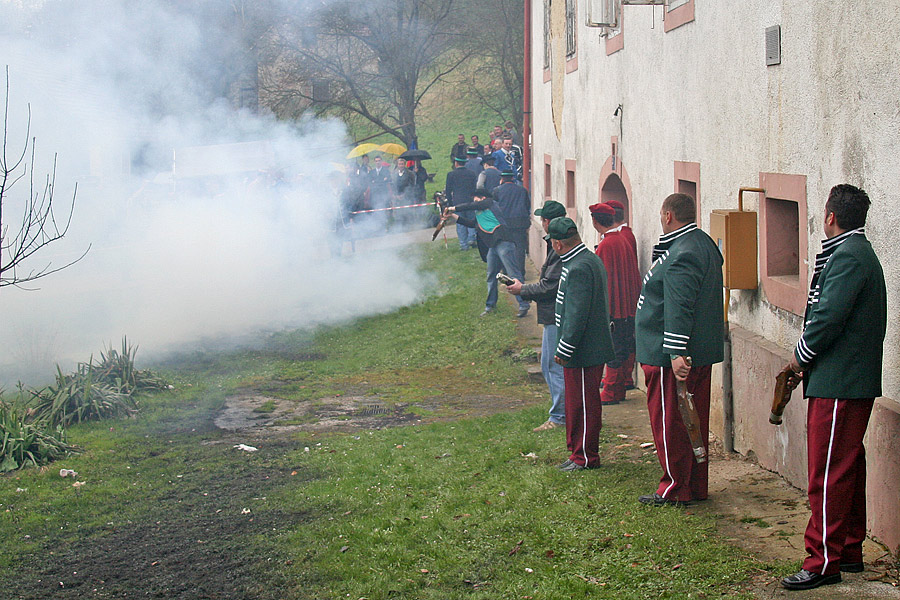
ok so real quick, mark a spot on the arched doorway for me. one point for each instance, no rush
(614, 189)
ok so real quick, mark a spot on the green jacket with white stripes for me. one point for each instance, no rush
(680, 309)
(582, 310)
(841, 347)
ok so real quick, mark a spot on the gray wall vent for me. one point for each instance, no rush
(773, 45)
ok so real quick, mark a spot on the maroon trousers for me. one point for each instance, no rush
(583, 414)
(613, 390)
(683, 478)
(837, 482)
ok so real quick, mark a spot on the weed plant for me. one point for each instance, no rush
(80, 397)
(95, 391)
(26, 440)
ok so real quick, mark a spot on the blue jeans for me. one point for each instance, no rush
(502, 257)
(466, 236)
(553, 375)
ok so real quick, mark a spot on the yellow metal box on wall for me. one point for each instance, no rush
(735, 233)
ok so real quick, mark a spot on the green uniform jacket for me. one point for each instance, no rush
(582, 310)
(680, 309)
(845, 322)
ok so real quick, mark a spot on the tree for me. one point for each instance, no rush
(39, 226)
(373, 60)
(497, 80)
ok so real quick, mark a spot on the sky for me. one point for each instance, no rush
(186, 244)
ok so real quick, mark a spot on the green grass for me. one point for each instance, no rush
(459, 511)
(448, 509)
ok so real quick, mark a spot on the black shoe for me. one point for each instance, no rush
(564, 464)
(804, 580)
(522, 312)
(857, 567)
(655, 499)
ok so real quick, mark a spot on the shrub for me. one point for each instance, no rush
(116, 369)
(26, 441)
(79, 397)
(96, 390)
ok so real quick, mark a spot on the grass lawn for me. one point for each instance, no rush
(463, 502)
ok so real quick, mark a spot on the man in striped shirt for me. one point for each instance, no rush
(839, 355)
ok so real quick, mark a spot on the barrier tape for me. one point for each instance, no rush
(359, 212)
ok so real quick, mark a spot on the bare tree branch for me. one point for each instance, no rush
(39, 226)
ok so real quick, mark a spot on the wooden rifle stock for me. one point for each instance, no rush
(785, 382)
(691, 418)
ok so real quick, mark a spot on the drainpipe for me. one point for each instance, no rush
(526, 102)
(727, 381)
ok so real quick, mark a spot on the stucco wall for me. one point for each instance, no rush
(702, 93)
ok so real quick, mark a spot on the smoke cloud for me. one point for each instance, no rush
(204, 221)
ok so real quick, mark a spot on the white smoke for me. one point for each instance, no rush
(186, 242)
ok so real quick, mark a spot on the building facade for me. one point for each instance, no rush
(708, 97)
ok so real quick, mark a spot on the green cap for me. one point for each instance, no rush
(550, 210)
(561, 228)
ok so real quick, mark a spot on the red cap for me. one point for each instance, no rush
(602, 208)
(616, 204)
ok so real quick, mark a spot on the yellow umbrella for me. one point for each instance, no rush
(390, 148)
(362, 149)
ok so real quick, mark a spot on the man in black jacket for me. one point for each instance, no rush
(459, 148)
(380, 185)
(514, 202)
(460, 189)
(543, 293)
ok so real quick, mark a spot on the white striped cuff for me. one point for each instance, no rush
(803, 351)
(565, 350)
(675, 341)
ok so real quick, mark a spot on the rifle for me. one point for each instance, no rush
(690, 417)
(442, 207)
(785, 383)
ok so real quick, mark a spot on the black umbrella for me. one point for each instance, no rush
(416, 155)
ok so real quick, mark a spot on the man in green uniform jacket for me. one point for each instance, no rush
(584, 343)
(679, 336)
(840, 354)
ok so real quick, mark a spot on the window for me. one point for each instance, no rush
(546, 34)
(783, 246)
(615, 38)
(548, 187)
(678, 12)
(687, 181)
(570, 183)
(571, 37)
